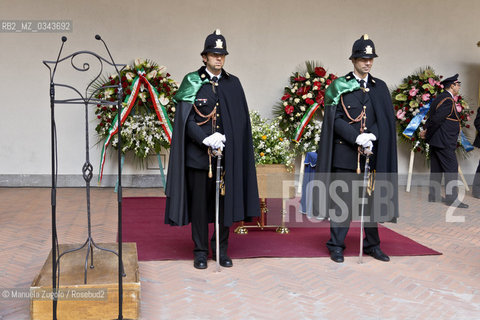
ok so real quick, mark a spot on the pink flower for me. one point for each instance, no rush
(459, 107)
(431, 81)
(400, 114)
(468, 117)
(426, 96)
(413, 92)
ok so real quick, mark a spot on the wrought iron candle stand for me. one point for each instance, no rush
(86, 99)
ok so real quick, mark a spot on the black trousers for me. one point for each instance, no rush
(341, 216)
(443, 161)
(201, 199)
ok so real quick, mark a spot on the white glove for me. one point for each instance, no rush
(215, 141)
(368, 146)
(364, 138)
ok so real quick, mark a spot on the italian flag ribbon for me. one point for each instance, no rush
(129, 102)
(305, 120)
(332, 96)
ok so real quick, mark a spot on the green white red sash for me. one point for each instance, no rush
(129, 102)
(305, 120)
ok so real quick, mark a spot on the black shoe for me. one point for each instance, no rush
(225, 261)
(460, 205)
(337, 255)
(200, 262)
(377, 254)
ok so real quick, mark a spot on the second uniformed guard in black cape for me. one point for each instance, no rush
(358, 115)
(442, 130)
(211, 113)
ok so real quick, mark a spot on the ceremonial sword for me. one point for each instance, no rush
(366, 171)
(218, 154)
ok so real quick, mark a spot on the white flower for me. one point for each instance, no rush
(315, 88)
(151, 74)
(307, 75)
(138, 62)
(322, 80)
(162, 70)
(297, 100)
(143, 96)
(309, 95)
(285, 103)
(304, 97)
(130, 76)
(302, 108)
(163, 100)
(307, 83)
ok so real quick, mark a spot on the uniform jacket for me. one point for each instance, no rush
(380, 122)
(241, 198)
(443, 124)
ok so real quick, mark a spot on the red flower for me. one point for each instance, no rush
(332, 76)
(408, 121)
(309, 101)
(303, 90)
(317, 84)
(320, 97)
(288, 109)
(300, 79)
(328, 81)
(285, 96)
(419, 149)
(99, 117)
(319, 71)
(468, 126)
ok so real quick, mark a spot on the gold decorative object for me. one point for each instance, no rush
(270, 179)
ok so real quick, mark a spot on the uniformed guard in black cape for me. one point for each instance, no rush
(442, 130)
(358, 115)
(211, 113)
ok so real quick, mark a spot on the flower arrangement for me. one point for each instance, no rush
(296, 112)
(411, 98)
(143, 131)
(269, 143)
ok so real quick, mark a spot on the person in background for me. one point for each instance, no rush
(441, 133)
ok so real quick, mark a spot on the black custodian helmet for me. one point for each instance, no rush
(363, 48)
(215, 43)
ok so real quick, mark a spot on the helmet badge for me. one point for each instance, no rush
(219, 44)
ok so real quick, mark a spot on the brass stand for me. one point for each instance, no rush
(242, 228)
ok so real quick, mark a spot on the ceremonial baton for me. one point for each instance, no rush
(367, 153)
(218, 153)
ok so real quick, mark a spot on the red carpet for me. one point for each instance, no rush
(143, 223)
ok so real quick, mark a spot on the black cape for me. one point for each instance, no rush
(241, 199)
(386, 177)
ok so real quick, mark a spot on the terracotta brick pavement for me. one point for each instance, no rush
(427, 287)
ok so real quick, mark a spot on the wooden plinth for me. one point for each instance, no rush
(102, 278)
